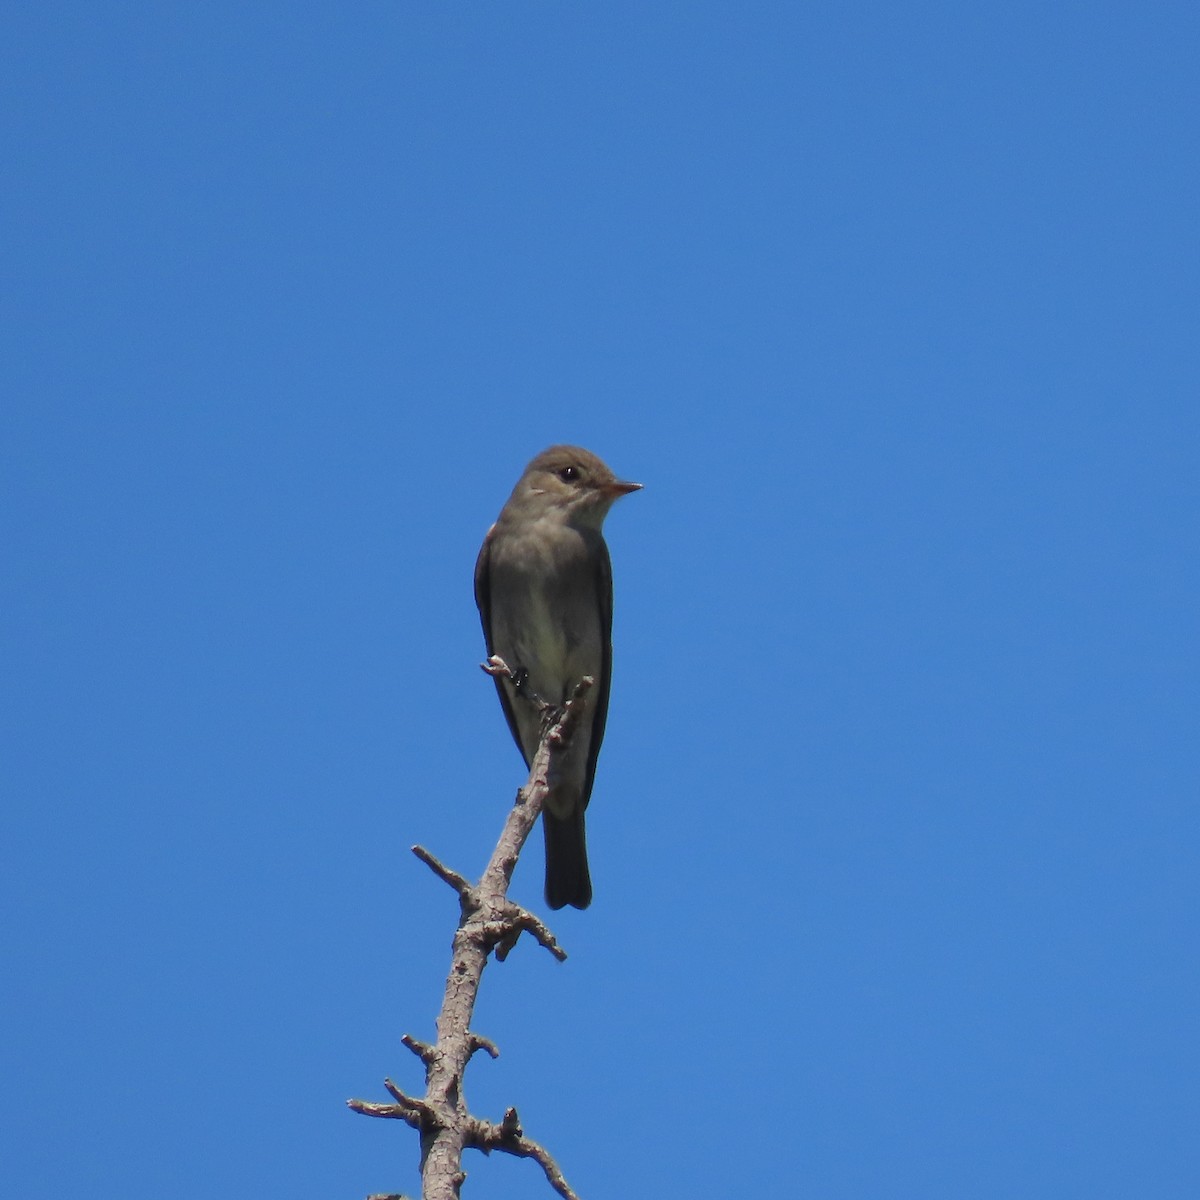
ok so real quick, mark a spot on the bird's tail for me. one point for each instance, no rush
(567, 879)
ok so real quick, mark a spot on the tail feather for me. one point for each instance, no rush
(567, 879)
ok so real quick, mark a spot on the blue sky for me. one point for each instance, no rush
(892, 308)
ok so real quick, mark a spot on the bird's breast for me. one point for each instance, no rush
(545, 611)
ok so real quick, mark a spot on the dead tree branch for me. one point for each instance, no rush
(489, 922)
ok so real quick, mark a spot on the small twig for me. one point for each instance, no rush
(422, 1108)
(393, 1111)
(423, 1050)
(525, 922)
(479, 1042)
(443, 872)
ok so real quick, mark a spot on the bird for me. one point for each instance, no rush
(543, 585)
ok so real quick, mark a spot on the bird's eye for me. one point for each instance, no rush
(568, 474)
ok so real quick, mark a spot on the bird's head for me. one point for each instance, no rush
(573, 483)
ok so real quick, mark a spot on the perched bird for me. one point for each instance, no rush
(543, 584)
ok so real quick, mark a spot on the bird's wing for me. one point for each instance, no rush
(483, 601)
(604, 600)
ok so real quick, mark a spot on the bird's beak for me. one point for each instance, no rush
(619, 488)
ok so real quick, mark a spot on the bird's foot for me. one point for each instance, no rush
(497, 667)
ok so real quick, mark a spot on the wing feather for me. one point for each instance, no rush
(604, 598)
(483, 601)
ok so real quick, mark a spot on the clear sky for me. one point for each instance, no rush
(893, 308)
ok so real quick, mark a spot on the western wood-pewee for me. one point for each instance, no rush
(543, 583)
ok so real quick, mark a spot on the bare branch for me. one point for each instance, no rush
(509, 1138)
(489, 922)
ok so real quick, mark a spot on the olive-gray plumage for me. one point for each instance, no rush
(543, 584)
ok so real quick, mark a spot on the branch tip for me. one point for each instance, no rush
(443, 872)
(421, 1107)
(423, 1050)
(479, 1042)
(541, 933)
(395, 1112)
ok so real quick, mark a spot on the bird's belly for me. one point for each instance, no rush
(556, 657)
